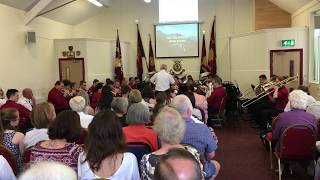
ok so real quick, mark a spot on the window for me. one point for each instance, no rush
(316, 48)
(178, 10)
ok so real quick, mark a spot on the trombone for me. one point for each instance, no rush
(253, 92)
(268, 89)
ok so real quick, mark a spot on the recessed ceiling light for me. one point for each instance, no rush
(96, 2)
(147, 1)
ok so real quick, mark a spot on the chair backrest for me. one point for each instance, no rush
(139, 149)
(10, 158)
(222, 107)
(298, 142)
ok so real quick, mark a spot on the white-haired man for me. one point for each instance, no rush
(198, 135)
(162, 79)
(298, 103)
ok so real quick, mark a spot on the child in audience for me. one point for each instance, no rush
(41, 117)
(105, 155)
(63, 132)
(9, 137)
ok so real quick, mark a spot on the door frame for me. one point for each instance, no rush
(71, 59)
(288, 50)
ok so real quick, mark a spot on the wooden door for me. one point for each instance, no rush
(72, 69)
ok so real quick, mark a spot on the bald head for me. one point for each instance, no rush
(27, 93)
(183, 105)
(163, 66)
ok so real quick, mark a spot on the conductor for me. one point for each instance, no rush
(162, 79)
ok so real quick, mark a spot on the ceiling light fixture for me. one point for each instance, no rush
(96, 2)
(147, 1)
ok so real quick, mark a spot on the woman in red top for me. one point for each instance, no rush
(138, 115)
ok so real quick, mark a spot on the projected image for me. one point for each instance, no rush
(177, 40)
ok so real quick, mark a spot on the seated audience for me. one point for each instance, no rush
(310, 99)
(161, 101)
(96, 95)
(27, 100)
(24, 113)
(89, 110)
(63, 132)
(125, 90)
(6, 172)
(196, 113)
(298, 102)
(105, 155)
(198, 135)
(214, 100)
(134, 96)
(77, 104)
(105, 100)
(119, 106)
(170, 128)
(82, 91)
(314, 109)
(148, 98)
(137, 117)
(58, 98)
(132, 83)
(49, 171)
(201, 101)
(178, 164)
(9, 137)
(41, 117)
(2, 98)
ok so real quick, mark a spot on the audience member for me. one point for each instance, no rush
(125, 90)
(24, 113)
(134, 96)
(178, 164)
(132, 83)
(198, 135)
(6, 172)
(214, 100)
(170, 128)
(89, 110)
(137, 116)
(49, 171)
(310, 99)
(41, 117)
(9, 137)
(82, 91)
(298, 102)
(105, 99)
(196, 113)
(161, 101)
(105, 155)
(78, 103)
(58, 98)
(148, 98)
(2, 98)
(96, 96)
(27, 100)
(201, 101)
(120, 106)
(63, 132)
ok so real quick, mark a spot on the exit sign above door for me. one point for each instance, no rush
(288, 43)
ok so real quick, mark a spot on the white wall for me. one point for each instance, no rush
(233, 17)
(250, 53)
(28, 65)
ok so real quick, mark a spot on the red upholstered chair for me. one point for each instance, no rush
(217, 119)
(10, 158)
(297, 142)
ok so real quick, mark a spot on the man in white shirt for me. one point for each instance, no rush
(27, 100)
(162, 79)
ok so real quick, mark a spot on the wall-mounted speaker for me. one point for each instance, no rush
(31, 37)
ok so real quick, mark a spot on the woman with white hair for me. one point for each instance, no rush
(78, 104)
(170, 127)
(298, 104)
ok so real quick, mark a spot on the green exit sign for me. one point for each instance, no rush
(288, 43)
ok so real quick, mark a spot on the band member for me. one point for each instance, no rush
(216, 97)
(162, 79)
(259, 88)
(58, 98)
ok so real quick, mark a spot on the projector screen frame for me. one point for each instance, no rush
(176, 23)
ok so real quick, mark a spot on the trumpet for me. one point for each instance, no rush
(268, 89)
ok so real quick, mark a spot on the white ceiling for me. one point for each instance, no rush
(290, 5)
(73, 13)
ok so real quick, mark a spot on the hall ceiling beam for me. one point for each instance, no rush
(35, 10)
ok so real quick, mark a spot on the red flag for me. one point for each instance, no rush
(152, 67)
(117, 61)
(140, 55)
(212, 59)
(204, 64)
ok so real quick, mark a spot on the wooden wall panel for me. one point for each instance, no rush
(268, 15)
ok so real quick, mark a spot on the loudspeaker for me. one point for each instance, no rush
(31, 37)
